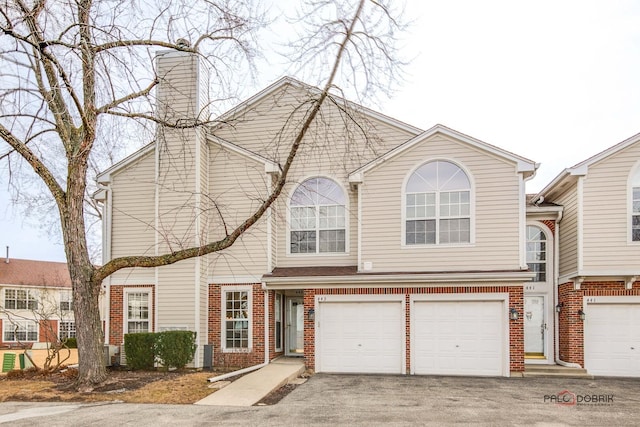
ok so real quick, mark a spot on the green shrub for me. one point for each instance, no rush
(140, 350)
(71, 343)
(175, 348)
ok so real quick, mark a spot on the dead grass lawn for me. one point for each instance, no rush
(185, 387)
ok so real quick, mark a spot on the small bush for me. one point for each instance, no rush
(71, 343)
(15, 374)
(175, 348)
(140, 350)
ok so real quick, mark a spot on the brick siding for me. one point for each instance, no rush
(571, 328)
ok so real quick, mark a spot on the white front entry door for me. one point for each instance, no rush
(535, 326)
(612, 339)
(458, 338)
(360, 337)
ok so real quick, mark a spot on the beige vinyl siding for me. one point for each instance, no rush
(237, 187)
(269, 127)
(568, 239)
(606, 213)
(132, 217)
(496, 186)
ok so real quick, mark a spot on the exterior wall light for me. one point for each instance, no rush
(559, 307)
(582, 314)
(513, 314)
(311, 315)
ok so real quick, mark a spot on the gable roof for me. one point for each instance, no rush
(26, 272)
(290, 81)
(524, 165)
(570, 175)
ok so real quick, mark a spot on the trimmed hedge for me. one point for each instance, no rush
(170, 348)
(140, 350)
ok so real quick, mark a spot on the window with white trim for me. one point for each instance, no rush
(318, 217)
(66, 330)
(438, 205)
(537, 252)
(138, 312)
(20, 299)
(236, 328)
(66, 301)
(635, 206)
(20, 330)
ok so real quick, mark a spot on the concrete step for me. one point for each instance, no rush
(555, 371)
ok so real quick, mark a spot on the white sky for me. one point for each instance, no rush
(553, 81)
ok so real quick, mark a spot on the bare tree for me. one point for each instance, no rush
(71, 69)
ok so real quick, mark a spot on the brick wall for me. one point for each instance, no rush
(117, 308)
(516, 331)
(48, 331)
(571, 327)
(244, 358)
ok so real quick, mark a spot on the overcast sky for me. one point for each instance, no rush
(553, 81)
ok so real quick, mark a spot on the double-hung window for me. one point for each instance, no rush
(67, 329)
(20, 331)
(236, 328)
(438, 205)
(138, 312)
(20, 299)
(318, 218)
(66, 301)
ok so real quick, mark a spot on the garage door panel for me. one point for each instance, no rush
(458, 337)
(360, 337)
(612, 339)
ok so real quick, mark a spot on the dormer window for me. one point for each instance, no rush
(318, 222)
(438, 205)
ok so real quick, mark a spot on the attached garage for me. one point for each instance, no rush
(612, 337)
(460, 335)
(360, 334)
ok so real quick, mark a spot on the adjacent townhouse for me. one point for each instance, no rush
(36, 304)
(391, 250)
(599, 260)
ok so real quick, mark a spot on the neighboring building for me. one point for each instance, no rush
(599, 260)
(36, 303)
(391, 249)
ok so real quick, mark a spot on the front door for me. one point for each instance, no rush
(535, 327)
(294, 334)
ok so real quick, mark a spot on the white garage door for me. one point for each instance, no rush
(360, 337)
(458, 338)
(612, 340)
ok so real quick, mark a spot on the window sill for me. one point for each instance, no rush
(438, 246)
(322, 254)
(237, 350)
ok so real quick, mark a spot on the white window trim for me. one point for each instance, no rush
(347, 213)
(223, 309)
(630, 184)
(472, 208)
(60, 326)
(35, 295)
(11, 323)
(125, 308)
(549, 249)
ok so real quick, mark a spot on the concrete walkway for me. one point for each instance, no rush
(252, 387)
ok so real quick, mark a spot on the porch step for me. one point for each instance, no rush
(548, 371)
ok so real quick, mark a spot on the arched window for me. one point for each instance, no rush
(318, 217)
(438, 205)
(537, 252)
(635, 206)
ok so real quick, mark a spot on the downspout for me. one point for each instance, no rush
(556, 267)
(266, 327)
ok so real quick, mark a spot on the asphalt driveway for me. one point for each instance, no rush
(375, 399)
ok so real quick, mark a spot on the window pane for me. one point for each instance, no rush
(237, 319)
(420, 232)
(332, 241)
(635, 228)
(454, 231)
(303, 242)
